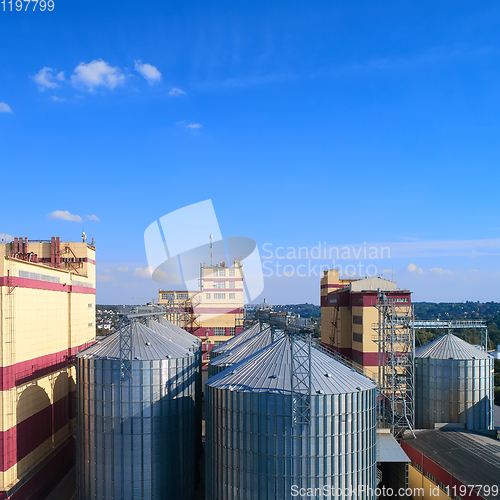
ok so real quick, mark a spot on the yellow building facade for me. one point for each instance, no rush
(213, 312)
(47, 315)
(349, 313)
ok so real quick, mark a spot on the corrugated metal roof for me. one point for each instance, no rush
(146, 345)
(449, 346)
(388, 449)
(245, 349)
(179, 330)
(237, 339)
(270, 370)
(173, 335)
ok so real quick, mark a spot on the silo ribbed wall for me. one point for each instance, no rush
(254, 453)
(454, 391)
(136, 440)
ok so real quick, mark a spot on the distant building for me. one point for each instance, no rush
(48, 315)
(216, 310)
(348, 315)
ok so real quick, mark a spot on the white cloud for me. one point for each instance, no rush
(93, 217)
(148, 71)
(122, 269)
(105, 278)
(143, 272)
(64, 215)
(414, 269)
(438, 270)
(97, 73)
(5, 108)
(57, 99)
(193, 126)
(46, 79)
(6, 238)
(175, 92)
(474, 270)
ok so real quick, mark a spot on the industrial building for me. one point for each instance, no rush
(349, 314)
(214, 311)
(452, 463)
(47, 313)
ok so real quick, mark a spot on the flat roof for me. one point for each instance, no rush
(388, 449)
(469, 457)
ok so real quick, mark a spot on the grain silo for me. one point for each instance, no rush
(240, 352)
(136, 419)
(178, 329)
(254, 449)
(236, 340)
(453, 384)
(190, 343)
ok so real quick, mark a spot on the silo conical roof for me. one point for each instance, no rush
(237, 339)
(450, 347)
(269, 370)
(244, 350)
(179, 330)
(146, 345)
(174, 336)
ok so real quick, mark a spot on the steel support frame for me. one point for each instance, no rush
(300, 344)
(396, 379)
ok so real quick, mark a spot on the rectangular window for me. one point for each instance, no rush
(207, 296)
(357, 320)
(222, 272)
(232, 330)
(39, 277)
(90, 305)
(167, 296)
(231, 271)
(219, 330)
(219, 296)
(232, 296)
(182, 296)
(357, 337)
(90, 325)
(216, 273)
(232, 284)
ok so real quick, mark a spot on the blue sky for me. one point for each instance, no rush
(337, 122)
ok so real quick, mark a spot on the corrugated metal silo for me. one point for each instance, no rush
(240, 352)
(453, 384)
(190, 343)
(234, 341)
(253, 451)
(136, 435)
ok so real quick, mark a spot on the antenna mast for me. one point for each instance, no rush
(211, 239)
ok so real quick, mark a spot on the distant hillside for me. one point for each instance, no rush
(305, 310)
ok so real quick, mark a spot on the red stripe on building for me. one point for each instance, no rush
(217, 310)
(32, 369)
(20, 440)
(43, 285)
(34, 487)
(232, 278)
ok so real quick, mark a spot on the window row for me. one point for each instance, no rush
(222, 272)
(220, 296)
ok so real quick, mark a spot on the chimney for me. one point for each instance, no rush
(53, 251)
(15, 244)
(58, 252)
(26, 248)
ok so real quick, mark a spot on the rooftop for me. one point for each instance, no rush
(469, 457)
